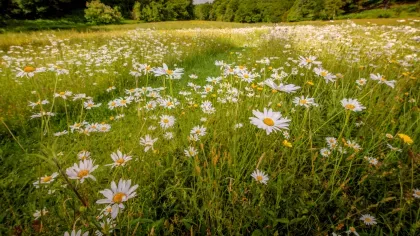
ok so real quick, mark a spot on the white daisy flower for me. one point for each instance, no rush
(166, 121)
(269, 121)
(117, 195)
(416, 193)
(198, 130)
(82, 171)
(306, 102)
(147, 142)
(368, 219)
(74, 233)
(381, 80)
(352, 105)
(47, 179)
(260, 176)
(190, 151)
(119, 159)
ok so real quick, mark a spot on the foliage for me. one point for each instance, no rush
(99, 13)
(136, 13)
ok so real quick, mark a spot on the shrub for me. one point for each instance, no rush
(99, 13)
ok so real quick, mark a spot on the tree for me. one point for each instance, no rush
(136, 12)
(99, 13)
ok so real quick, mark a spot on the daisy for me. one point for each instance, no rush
(368, 219)
(39, 102)
(82, 171)
(74, 233)
(83, 155)
(47, 179)
(198, 130)
(416, 193)
(328, 77)
(171, 74)
(382, 80)
(39, 213)
(117, 195)
(90, 104)
(27, 71)
(288, 88)
(393, 148)
(119, 159)
(168, 135)
(207, 107)
(306, 102)
(331, 142)
(260, 176)
(352, 230)
(325, 152)
(269, 121)
(308, 61)
(147, 142)
(352, 105)
(190, 152)
(361, 82)
(64, 132)
(166, 121)
(104, 128)
(63, 95)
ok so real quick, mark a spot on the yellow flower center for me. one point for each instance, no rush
(303, 101)
(169, 72)
(246, 76)
(268, 121)
(29, 69)
(382, 79)
(198, 131)
(62, 93)
(82, 173)
(308, 60)
(169, 104)
(118, 198)
(113, 104)
(417, 192)
(259, 178)
(241, 67)
(166, 121)
(352, 229)
(324, 73)
(46, 179)
(350, 106)
(120, 161)
(368, 220)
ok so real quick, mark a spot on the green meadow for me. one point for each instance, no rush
(211, 128)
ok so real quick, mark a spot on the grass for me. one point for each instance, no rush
(204, 186)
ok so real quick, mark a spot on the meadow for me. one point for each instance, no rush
(210, 128)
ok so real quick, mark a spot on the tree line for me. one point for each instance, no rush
(285, 10)
(162, 10)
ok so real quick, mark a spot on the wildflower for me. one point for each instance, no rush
(39, 102)
(39, 213)
(328, 77)
(104, 128)
(308, 61)
(147, 142)
(47, 179)
(306, 102)
(239, 125)
(368, 219)
(207, 107)
(168, 135)
(64, 132)
(198, 130)
(63, 95)
(82, 171)
(352, 105)
(416, 193)
(260, 176)
(390, 136)
(190, 152)
(171, 74)
(83, 155)
(331, 142)
(382, 80)
(167, 121)
(90, 104)
(325, 152)
(393, 148)
(287, 143)
(361, 82)
(406, 139)
(117, 195)
(27, 71)
(119, 159)
(269, 121)
(352, 230)
(288, 88)
(78, 233)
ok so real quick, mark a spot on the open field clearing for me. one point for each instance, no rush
(212, 129)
